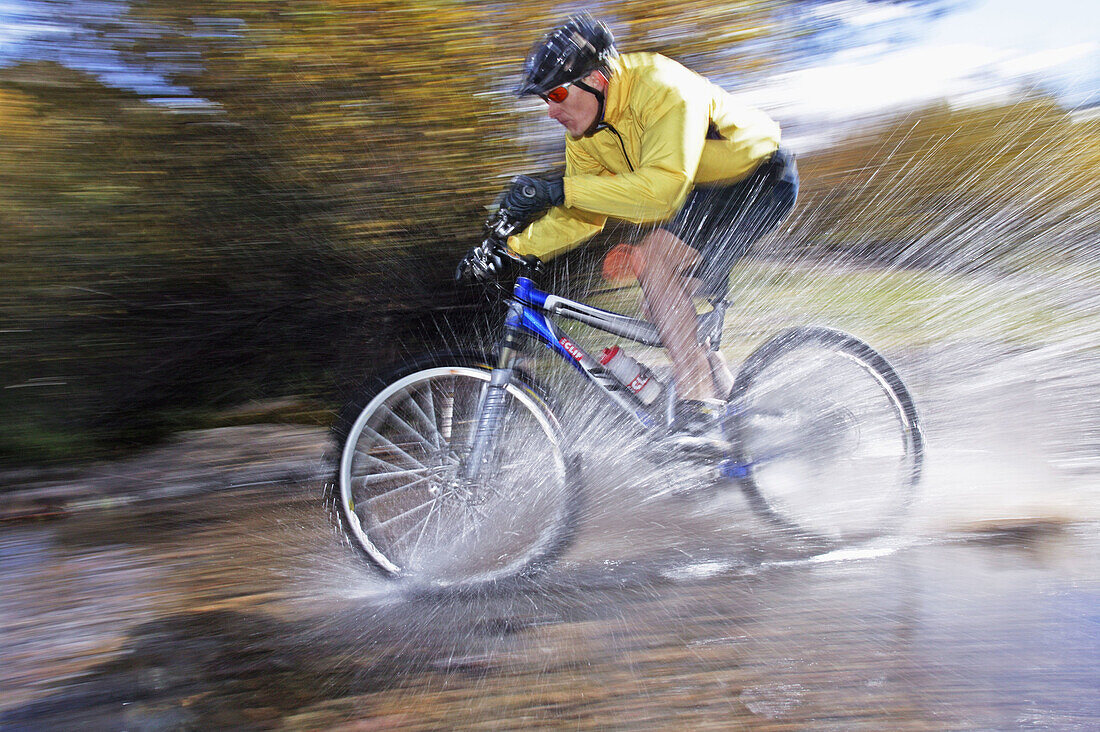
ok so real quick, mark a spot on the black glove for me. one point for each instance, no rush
(529, 197)
(483, 262)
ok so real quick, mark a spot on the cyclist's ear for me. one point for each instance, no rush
(597, 80)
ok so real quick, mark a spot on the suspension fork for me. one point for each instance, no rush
(491, 409)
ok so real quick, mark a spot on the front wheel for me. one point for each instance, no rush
(400, 492)
(827, 439)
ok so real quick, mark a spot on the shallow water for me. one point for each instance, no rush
(676, 605)
(246, 611)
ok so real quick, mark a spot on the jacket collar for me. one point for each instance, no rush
(616, 93)
(614, 98)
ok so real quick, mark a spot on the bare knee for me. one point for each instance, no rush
(662, 254)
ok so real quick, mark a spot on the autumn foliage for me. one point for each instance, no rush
(295, 220)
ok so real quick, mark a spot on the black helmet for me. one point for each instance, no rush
(567, 54)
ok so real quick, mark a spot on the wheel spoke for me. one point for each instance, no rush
(468, 526)
(395, 418)
(403, 514)
(404, 487)
(374, 462)
(427, 412)
(371, 478)
(447, 412)
(413, 551)
(410, 439)
(385, 442)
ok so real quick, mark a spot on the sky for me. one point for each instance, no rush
(983, 50)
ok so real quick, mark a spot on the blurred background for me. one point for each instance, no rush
(205, 205)
(218, 216)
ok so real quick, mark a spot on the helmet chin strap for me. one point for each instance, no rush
(598, 122)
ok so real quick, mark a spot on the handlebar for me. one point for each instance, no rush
(499, 226)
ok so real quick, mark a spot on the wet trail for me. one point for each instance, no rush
(246, 612)
(244, 608)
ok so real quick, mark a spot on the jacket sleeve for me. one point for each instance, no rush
(563, 227)
(748, 135)
(674, 133)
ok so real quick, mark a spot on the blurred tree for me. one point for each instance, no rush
(399, 111)
(292, 216)
(985, 187)
(308, 199)
(154, 264)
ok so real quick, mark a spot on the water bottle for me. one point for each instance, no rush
(637, 379)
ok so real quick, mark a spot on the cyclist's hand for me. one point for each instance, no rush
(483, 262)
(529, 197)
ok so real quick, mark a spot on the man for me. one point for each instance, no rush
(651, 142)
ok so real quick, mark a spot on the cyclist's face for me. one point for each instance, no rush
(577, 112)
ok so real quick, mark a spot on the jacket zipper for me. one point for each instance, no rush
(622, 145)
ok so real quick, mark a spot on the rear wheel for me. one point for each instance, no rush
(403, 502)
(827, 439)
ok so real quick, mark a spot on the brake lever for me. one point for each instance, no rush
(498, 228)
(502, 225)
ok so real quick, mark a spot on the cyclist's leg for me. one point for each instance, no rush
(740, 215)
(714, 228)
(664, 260)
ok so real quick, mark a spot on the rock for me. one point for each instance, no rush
(192, 462)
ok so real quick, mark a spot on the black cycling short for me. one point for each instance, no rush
(722, 221)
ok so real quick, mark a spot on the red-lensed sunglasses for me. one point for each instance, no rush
(558, 94)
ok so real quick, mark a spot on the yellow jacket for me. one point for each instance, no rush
(659, 141)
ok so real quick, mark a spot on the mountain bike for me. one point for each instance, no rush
(454, 468)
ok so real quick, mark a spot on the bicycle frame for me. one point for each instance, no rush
(531, 312)
(413, 434)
